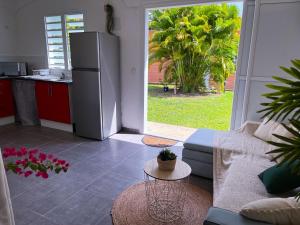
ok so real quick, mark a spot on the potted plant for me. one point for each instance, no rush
(166, 160)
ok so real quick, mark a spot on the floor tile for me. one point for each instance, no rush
(98, 173)
(84, 208)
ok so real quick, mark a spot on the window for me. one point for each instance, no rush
(58, 29)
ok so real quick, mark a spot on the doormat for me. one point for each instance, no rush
(158, 141)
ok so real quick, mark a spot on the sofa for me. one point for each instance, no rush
(233, 160)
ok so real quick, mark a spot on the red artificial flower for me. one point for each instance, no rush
(23, 151)
(28, 173)
(33, 152)
(42, 156)
(28, 160)
(18, 170)
(62, 162)
(45, 175)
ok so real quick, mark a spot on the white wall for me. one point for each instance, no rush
(276, 44)
(7, 29)
(32, 48)
(275, 41)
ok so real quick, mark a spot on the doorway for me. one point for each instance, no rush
(192, 55)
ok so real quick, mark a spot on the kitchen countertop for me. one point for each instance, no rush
(66, 81)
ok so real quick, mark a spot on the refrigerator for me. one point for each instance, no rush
(95, 92)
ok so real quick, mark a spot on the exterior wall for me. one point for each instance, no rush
(230, 82)
(154, 75)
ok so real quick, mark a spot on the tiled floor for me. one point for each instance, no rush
(84, 195)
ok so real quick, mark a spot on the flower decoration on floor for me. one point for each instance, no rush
(26, 162)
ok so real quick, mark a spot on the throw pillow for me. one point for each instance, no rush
(280, 130)
(280, 211)
(280, 179)
(266, 129)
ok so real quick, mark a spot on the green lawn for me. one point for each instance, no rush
(211, 111)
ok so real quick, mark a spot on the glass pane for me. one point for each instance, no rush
(75, 31)
(53, 19)
(74, 24)
(56, 48)
(54, 34)
(56, 58)
(54, 26)
(74, 18)
(55, 41)
(56, 55)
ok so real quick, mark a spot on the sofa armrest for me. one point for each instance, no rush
(218, 216)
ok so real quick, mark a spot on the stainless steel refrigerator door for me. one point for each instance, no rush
(85, 50)
(110, 84)
(86, 103)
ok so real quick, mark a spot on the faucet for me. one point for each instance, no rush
(63, 76)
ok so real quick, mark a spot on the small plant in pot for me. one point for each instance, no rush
(166, 159)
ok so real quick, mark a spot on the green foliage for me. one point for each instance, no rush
(284, 102)
(191, 42)
(166, 154)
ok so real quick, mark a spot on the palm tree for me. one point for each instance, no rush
(190, 42)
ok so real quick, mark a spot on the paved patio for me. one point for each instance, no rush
(178, 133)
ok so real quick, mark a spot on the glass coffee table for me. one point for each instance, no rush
(165, 190)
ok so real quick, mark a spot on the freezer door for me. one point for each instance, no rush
(84, 50)
(86, 103)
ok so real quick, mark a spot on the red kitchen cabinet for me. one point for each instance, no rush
(53, 101)
(6, 99)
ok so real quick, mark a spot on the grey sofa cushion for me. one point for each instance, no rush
(200, 168)
(218, 216)
(201, 140)
(202, 157)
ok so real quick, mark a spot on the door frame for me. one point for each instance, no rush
(144, 42)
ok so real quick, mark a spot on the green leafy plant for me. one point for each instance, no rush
(284, 102)
(166, 154)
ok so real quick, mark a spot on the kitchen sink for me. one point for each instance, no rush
(46, 77)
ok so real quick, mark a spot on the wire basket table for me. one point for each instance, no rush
(165, 190)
